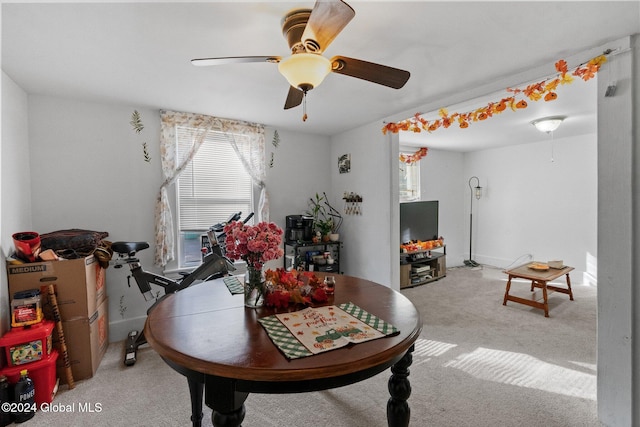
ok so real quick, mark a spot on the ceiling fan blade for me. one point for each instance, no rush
(294, 98)
(376, 73)
(327, 19)
(202, 62)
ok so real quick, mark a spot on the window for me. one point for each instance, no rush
(409, 181)
(212, 187)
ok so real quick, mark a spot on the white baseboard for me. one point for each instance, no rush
(577, 277)
(119, 330)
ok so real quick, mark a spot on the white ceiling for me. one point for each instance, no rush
(138, 54)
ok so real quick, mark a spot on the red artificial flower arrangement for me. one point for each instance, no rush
(293, 287)
(255, 244)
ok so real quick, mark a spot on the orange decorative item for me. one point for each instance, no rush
(415, 157)
(293, 287)
(545, 89)
(418, 245)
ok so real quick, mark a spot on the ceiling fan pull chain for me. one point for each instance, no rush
(304, 107)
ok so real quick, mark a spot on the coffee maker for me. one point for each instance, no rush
(299, 228)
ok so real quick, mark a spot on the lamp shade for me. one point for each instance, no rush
(478, 191)
(305, 70)
(548, 124)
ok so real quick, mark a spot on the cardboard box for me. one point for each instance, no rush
(87, 340)
(80, 284)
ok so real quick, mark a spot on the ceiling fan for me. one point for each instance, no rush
(309, 32)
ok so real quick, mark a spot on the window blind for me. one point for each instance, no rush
(215, 184)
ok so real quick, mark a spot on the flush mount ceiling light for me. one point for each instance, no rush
(548, 124)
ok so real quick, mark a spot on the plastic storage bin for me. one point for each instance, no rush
(43, 374)
(26, 308)
(28, 344)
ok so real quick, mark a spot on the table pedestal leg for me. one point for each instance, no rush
(196, 389)
(226, 403)
(230, 419)
(398, 412)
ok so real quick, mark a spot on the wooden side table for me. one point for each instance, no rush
(539, 279)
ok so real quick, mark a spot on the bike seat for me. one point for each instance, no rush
(128, 248)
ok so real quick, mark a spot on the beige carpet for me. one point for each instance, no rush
(477, 363)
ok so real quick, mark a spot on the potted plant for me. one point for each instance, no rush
(334, 236)
(318, 212)
(324, 226)
(326, 219)
(336, 222)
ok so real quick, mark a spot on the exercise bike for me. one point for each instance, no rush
(214, 265)
(217, 235)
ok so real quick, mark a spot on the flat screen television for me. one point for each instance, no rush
(418, 221)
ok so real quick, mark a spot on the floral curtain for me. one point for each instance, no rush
(172, 167)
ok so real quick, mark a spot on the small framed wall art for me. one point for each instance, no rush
(344, 163)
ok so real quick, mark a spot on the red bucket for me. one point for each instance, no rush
(27, 244)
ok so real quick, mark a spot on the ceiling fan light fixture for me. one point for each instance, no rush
(548, 124)
(305, 70)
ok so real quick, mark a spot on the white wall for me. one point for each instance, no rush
(442, 178)
(618, 240)
(534, 206)
(368, 249)
(88, 172)
(299, 172)
(16, 180)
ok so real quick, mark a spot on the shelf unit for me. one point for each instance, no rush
(420, 267)
(298, 254)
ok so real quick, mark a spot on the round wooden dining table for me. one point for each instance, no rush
(208, 335)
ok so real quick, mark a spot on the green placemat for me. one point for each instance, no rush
(234, 284)
(323, 339)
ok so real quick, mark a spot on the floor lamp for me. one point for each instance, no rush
(477, 191)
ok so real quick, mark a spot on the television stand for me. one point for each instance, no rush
(420, 267)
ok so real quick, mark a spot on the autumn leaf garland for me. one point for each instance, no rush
(545, 89)
(415, 157)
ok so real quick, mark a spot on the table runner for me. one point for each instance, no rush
(315, 330)
(234, 284)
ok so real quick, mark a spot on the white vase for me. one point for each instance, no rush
(334, 237)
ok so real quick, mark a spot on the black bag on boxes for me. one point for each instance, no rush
(73, 241)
